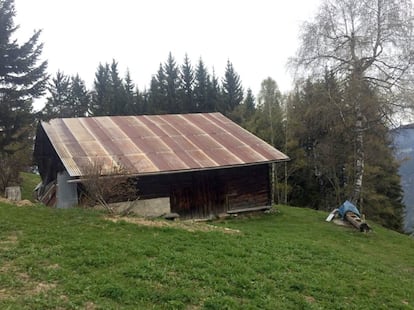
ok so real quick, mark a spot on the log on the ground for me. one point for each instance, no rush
(356, 221)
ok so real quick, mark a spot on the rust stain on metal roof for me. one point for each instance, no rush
(157, 143)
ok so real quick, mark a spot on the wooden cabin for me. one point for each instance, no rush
(200, 165)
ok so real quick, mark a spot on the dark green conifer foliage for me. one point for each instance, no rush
(369, 44)
(316, 142)
(22, 79)
(201, 87)
(158, 93)
(186, 86)
(321, 145)
(109, 95)
(131, 106)
(232, 89)
(102, 94)
(68, 97)
(213, 94)
(80, 97)
(141, 102)
(216, 96)
(172, 85)
(118, 102)
(249, 104)
(59, 101)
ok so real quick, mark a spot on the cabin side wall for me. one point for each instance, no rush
(202, 194)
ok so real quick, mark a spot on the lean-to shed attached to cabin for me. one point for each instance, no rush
(201, 164)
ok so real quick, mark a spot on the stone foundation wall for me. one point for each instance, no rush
(147, 207)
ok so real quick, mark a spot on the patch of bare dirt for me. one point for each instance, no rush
(10, 241)
(90, 306)
(20, 203)
(190, 226)
(53, 267)
(6, 267)
(42, 287)
(29, 286)
(310, 299)
(24, 203)
(4, 294)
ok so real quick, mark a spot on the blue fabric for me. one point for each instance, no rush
(348, 206)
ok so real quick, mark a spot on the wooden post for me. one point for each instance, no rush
(272, 183)
(13, 193)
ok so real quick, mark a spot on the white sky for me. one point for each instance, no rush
(257, 36)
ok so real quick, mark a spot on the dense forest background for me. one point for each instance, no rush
(314, 124)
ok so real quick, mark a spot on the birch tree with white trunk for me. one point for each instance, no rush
(368, 44)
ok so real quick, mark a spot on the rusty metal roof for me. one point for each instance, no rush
(148, 144)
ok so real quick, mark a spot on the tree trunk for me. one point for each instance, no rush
(359, 153)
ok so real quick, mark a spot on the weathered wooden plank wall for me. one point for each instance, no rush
(204, 193)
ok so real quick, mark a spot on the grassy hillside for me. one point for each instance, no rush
(29, 182)
(291, 259)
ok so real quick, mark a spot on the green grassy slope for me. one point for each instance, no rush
(292, 259)
(29, 182)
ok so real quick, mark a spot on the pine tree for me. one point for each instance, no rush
(118, 99)
(232, 89)
(173, 84)
(102, 93)
(80, 97)
(158, 93)
(59, 101)
(68, 97)
(249, 104)
(131, 107)
(140, 102)
(317, 142)
(320, 143)
(201, 87)
(22, 79)
(369, 44)
(109, 95)
(213, 94)
(186, 86)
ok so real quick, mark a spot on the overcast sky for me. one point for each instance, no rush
(257, 36)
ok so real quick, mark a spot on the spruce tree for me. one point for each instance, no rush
(80, 97)
(22, 79)
(186, 86)
(140, 102)
(213, 94)
(102, 93)
(118, 103)
(320, 143)
(232, 89)
(249, 104)
(172, 85)
(369, 44)
(59, 101)
(131, 107)
(68, 97)
(201, 87)
(158, 93)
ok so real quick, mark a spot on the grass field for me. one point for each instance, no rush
(29, 182)
(291, 259)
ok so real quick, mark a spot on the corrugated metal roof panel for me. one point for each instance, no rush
(156, 143)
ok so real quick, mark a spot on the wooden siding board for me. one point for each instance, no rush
(203, 194)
